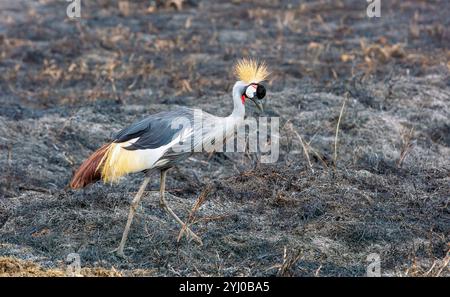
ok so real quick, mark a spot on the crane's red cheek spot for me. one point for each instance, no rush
(243, 99)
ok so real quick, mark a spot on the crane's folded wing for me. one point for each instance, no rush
(156, 130)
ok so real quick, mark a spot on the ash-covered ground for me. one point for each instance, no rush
(67, 85)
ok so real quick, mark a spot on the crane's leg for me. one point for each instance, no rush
(133, 208)
(163, 203)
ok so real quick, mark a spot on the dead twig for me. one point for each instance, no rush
(113, 84)
(316, 274)
(337, 130)
(305, 149)
(212, 218)
(318, 156)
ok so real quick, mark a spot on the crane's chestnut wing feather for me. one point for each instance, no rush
(155, 130)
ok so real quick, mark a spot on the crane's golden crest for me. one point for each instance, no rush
(251, 71)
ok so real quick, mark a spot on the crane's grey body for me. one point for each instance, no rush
(180, 132)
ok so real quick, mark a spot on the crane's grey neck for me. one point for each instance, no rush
(239, 108)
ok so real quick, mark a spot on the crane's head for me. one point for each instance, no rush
(252, 73)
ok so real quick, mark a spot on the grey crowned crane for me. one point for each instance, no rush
(162, 140)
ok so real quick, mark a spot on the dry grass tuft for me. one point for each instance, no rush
(15, 267)
(407, 145)
(436, 269)
(289, 261)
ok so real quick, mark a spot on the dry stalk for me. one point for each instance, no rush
(337, 130)
(305, 149)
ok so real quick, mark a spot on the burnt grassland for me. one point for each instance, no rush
(382, 185)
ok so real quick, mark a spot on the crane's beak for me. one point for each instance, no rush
(258, 104)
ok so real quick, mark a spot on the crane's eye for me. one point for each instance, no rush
(260, 91)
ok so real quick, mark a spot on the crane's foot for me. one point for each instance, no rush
(163, 204)
(190, 234)
(119, 252)
(185, 229)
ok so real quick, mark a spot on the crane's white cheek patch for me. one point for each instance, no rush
(250, 92)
